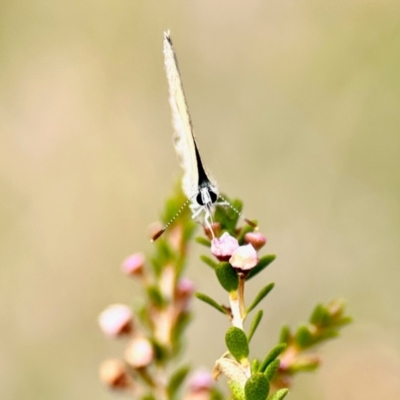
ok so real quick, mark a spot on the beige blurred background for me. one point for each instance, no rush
(296, 105)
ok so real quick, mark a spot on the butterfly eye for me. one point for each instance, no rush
(206, 196)
(214, 196)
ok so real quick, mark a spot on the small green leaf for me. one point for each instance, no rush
(227, 276)
(257, 387)
(263, 263)
(155, 296)
(304, 337)
(176, 334)
(149, 396)
(305, 362)
(272, 355)
(215, 394)
(272, 368)
(160, 352)
(261, 294)
(324, 335)
(279, 394)
(210, 301)
(203, 241)
(344, 321)
(254, 324)
(176, 380)
(285, 335)
(211, 263)
(255, 365)
(318, 315)
(237, 344)
(227, 216)
(237, 390)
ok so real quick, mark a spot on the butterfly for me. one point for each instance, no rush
(199, 188)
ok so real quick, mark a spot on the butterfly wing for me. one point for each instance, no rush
(183, 136)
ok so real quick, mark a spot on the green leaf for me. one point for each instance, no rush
(211, 263)
(237, 390)
(255, 365)
(305, 362)
(155, 296)
(237, 344)
(324, 335)
(211, 302)
(304, 337)
(149, 396)
(161, 353)
(344, 321)
(279, 394)
(215, 394)
(272, 355)
(176, 380)
(177, 331)
(227, 276)
(257, 387)
(203, 241)
(262, 264)
(271, 369)
(319, 315)
(227, 216)
(254, 324)
(285, 335)
(261, 294)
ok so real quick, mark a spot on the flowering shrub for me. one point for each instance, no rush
(148, 369)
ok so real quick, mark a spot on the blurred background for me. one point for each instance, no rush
(296, 105)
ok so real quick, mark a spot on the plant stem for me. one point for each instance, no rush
(242, 307)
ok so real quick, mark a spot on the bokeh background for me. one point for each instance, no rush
(296, 105)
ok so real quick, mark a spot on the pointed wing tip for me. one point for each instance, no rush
(167, 35)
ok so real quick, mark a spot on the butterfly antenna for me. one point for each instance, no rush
(251, 223)
(166, 226)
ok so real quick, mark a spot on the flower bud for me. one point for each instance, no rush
(244, 258)
(116, 320)
(224, 247)
(139, 353)
(134, 264)
(113, 374)
(201, 381)
(256, 239)
(184, 288)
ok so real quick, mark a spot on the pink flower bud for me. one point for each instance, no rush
(223, 247)
(139, 353)
(201, 381)
(116, 320)
(183, 294)
(134, 264)
(256, 239)
(244, 258)
(184, 289)
(112, 373)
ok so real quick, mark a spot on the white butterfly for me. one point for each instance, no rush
(200, 190)
(196, 184)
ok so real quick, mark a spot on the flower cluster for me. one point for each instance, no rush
(153, 330)
(243, 258)
(168, 301)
